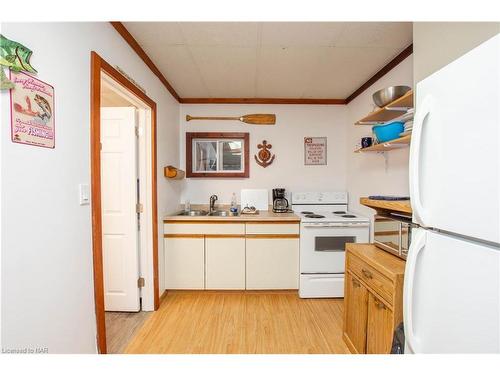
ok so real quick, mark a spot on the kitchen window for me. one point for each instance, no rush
(217, 155)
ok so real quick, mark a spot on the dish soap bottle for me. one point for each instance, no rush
(234, 204)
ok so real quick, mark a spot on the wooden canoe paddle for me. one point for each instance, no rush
(255, 119)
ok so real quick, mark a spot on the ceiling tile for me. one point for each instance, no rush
(155, 34)
(221, 33)
(341, 70)
(376, 34)
(274, 59)
(285, 71)
(227, 71)
(178, 66)
(301, 33)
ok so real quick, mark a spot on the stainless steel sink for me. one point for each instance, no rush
(223, 213)
(194, 213)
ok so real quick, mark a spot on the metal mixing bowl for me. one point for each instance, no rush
(383, 97)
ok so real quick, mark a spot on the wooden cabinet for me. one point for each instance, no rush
(380, 327)
(225, 263)
(373, 298)
(357, 305)
(184, 262)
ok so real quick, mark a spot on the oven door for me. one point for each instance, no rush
(322, 247)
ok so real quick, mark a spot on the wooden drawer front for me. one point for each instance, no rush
(209, 228)
(373, 278)
(261, 228)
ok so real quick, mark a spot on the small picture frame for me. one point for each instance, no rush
(315, 150)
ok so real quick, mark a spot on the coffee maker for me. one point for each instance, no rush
(280, 203)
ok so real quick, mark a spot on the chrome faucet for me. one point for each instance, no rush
(213, 198)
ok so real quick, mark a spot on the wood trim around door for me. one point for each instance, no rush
(99, 65)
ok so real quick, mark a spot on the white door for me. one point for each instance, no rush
(454, 153)
(119, 217)
(451, 295)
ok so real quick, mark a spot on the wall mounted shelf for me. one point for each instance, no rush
(399, 206)
(173, 173)
(387, 146)
(391, 111)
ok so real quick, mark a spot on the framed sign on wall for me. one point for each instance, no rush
(32, 111)
(315, 151)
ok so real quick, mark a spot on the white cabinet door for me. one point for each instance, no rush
(119, 219)
(184, 263)
(272, 263)
(225, 263)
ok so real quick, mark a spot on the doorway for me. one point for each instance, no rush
(124, 202)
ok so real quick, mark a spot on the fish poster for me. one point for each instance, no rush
(32, 111)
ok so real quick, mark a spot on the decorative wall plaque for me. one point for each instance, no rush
(32, 111)
(315, 151)
(264, 157)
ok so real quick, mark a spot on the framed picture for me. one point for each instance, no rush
(32, 111)
(211, 155)
(315, 151)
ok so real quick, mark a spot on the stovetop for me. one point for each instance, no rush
(330, 216)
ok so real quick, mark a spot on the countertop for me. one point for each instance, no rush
(399, 206)
(262, 216)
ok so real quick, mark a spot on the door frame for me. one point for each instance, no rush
(99, 65)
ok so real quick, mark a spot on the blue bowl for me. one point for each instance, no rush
(388, 132)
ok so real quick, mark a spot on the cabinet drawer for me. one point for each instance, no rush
(371, 277)
(201, 228)
(262, 228)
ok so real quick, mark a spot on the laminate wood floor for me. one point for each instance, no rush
(242, 322)
(121, 327)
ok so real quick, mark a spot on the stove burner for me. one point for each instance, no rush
(307, 212)
(339, 212)
(348, 215)
(315, 216)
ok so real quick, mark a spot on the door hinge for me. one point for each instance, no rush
(138, 208)
(141, 282)
(137, 131)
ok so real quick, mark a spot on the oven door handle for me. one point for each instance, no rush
(331, 251)
(357, 225)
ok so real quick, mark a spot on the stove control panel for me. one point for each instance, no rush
(321, 197)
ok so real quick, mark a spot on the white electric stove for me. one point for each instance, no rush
(326, 226)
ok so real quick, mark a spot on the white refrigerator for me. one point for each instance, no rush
(452, 278)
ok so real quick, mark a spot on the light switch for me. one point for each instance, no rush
(84, 194)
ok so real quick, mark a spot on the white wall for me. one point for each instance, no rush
(366, 172)
(293, 123)
(47, 285)
(436, 44)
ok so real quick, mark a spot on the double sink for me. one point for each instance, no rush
(206, 213)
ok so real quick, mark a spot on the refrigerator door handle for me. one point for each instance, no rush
(417, 245)
(421, 117)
